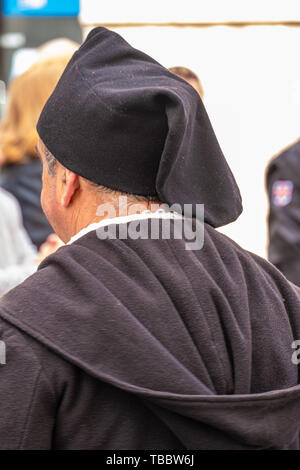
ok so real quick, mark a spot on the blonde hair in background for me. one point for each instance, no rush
(27, 96)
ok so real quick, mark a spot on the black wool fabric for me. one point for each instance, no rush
(120, 119)
(142, 344)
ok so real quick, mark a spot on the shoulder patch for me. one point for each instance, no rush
(282, 193)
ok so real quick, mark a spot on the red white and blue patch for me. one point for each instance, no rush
(282, 193)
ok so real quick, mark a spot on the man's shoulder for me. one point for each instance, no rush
(287, 157)
(20, 352)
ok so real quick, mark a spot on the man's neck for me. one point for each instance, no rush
(110, 210)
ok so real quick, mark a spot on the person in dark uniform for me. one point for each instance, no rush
(283, 188)
(128, 337)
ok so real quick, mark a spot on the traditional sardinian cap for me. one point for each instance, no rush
(120, 119)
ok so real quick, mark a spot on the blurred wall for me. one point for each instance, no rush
(251, 78)
(29, 32)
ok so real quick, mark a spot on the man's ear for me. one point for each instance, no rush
(71, 185)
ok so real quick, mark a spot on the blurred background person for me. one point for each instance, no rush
(283, 188)
(189, 76)
(21, 169)
(17, 254)
(22, 59)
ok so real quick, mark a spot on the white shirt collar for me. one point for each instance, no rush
(159, 214)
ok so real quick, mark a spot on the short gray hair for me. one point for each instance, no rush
(50, 161)
(96, 188)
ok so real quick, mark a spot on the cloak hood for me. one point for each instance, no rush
(111, 314)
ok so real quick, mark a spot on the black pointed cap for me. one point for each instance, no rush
(120, 119)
